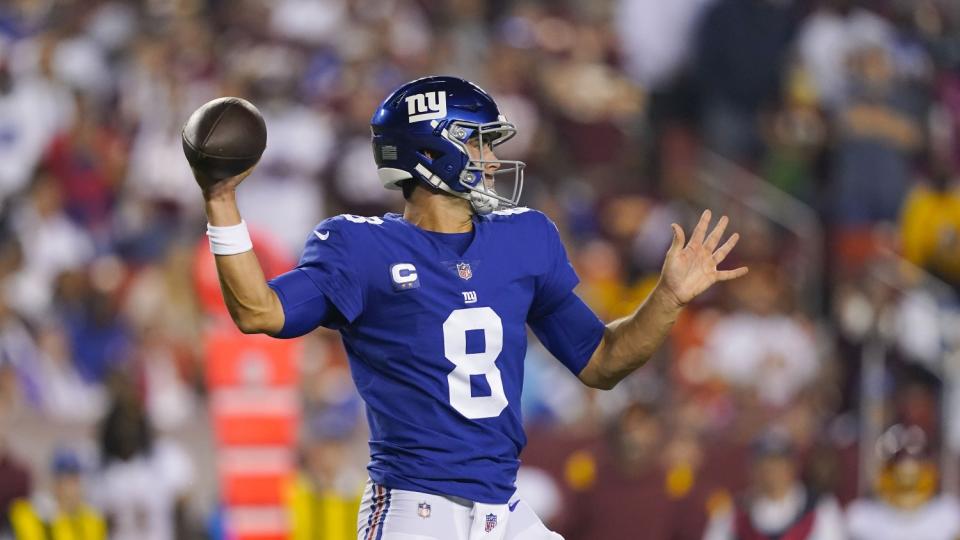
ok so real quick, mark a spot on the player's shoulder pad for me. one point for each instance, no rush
(340, 234)
(346, 225)
(526, 218)
(519, 214)
(347, 220)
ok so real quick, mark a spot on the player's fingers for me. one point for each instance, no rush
(716, 234)
(247, 172)
(701, 229)
(678, 238)
(727, 275)
(721, 254)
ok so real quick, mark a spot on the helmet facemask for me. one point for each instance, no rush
(477, 177)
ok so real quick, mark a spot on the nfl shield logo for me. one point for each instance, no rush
(464, 271)
(491, 522)
(423, 510)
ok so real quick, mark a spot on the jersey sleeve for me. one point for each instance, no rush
(556, 277)
(566, 326)
(327, 286)
(571, 332)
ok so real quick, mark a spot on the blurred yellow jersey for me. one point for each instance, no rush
(930, 230)
(326, 515)
(85, 524)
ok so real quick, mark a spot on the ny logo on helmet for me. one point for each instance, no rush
(426, 106)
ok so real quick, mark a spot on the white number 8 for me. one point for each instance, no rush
(481, 363)
(373, 220)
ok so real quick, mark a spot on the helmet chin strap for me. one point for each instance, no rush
(482, 199)
(483, 203)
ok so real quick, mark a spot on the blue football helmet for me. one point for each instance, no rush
(422, 129)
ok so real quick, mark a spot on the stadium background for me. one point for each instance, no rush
(829, 131)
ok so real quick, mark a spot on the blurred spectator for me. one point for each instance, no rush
(161, 305)
(657, 37)
(144, 480)
(826, 41)
(65, 394)
(15, 483)
(355, 182)
(762, 348)
(741, 47)
(51, 244)
(906, 504)
(930, 224)
(324, 498)
(795, 137)
(286, 198)
(878, 135)
(605, 483)
(947, 130)
(779, 505)
(157, 99)
(33, 108)
(19, 361)
(100, 340)
(591, 101)
(87, 162)
(65, 513)
(78, 59)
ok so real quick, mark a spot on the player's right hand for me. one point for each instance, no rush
(213, 189)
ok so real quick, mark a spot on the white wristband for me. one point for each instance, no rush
(229, 240)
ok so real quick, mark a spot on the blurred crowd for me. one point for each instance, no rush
(829, 131)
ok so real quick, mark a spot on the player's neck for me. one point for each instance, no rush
(438, 213)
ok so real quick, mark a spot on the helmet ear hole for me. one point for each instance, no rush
(432, 155)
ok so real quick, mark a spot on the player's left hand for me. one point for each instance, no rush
(691, 267)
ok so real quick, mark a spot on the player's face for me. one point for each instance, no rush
(487, 155)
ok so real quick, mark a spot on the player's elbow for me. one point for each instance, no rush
(596, 375)
(263, 315)
(607, 383)
(607, 367)
(600, 382)
(248, 325)
(258, 322)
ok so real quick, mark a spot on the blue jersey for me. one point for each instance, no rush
(436, 339)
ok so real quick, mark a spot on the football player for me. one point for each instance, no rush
(433, 304)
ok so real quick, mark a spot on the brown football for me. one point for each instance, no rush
(224, 137)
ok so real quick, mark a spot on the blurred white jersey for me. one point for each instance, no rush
(139, 496)
(781, 519)
(939, 519)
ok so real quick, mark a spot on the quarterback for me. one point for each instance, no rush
(433, 307)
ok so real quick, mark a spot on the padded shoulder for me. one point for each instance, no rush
(520, 215)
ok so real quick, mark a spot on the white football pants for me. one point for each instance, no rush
(396, 514)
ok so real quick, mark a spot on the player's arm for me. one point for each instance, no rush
(689, 269)
(253, 305)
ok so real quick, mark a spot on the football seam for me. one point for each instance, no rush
(213, 128)
(201, 153)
